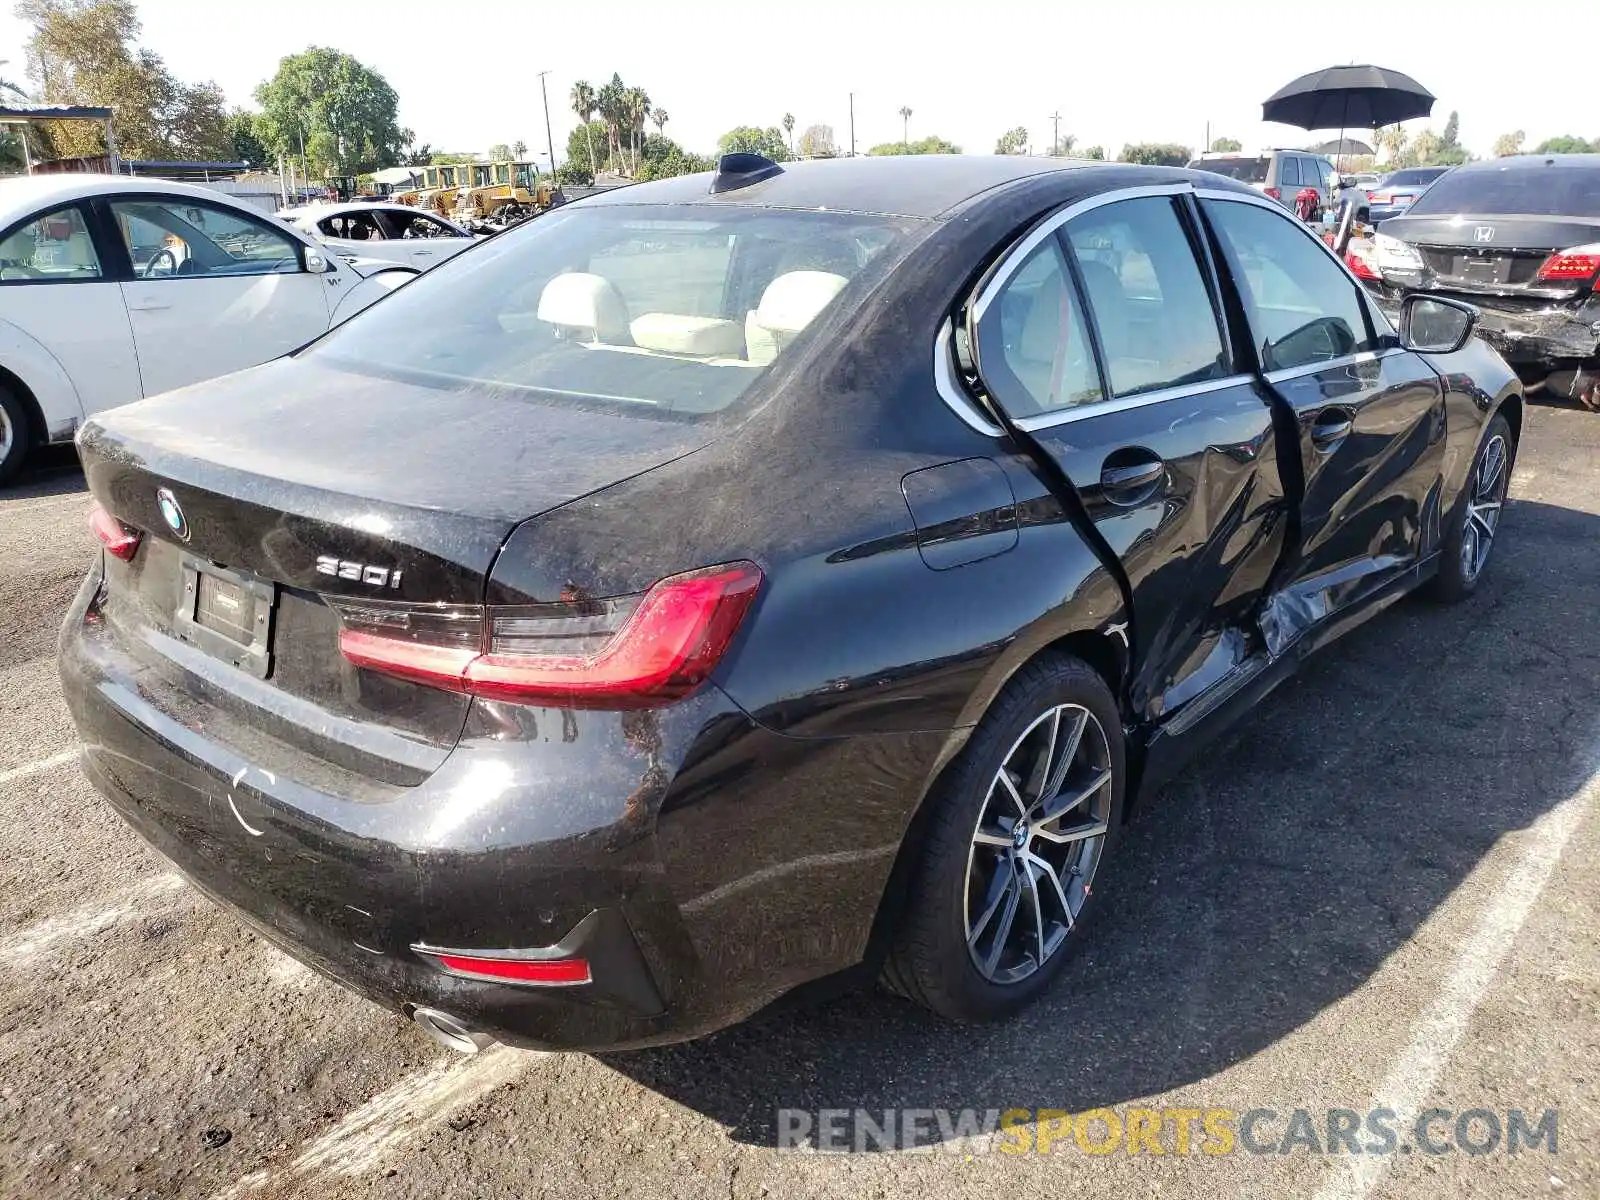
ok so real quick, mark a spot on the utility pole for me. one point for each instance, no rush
(549, 139)
(1207, 146)
(1055, 136)
(852, 124)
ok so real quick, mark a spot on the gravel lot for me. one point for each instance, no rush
(1380, 893)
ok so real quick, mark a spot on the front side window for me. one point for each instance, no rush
(417, 225)
(1303, 309)
(1033, 346)
(54, 248)
(1152, 309)
(671, 309)
(354, 227)
(175, 238)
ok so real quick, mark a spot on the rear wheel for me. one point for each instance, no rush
(16, 435)
(1470, 538)
(1018, 831)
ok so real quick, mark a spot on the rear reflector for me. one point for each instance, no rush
(1577, 265)
(634, 651)
(117, 539)
(547, 972)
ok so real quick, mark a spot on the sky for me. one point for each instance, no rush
(1127, 71)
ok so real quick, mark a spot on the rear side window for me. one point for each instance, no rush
(678, 308)
(1033, 346)
(1538, 190)
(1245, 170)
(1148, 298)
(1303, 309)
(1289, 171)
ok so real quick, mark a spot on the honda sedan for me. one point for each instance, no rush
(747, 578)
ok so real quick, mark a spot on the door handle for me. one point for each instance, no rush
(148, 306)
(1132, 483)
(1330, 428)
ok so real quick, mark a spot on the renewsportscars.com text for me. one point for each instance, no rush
(1132, 1130)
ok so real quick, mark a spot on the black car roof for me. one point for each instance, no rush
(1532, 162)
(913, 185)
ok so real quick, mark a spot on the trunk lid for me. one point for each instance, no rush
(1494, 255)
(298, 484)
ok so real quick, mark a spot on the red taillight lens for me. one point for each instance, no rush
(1361, 266)
(549, 972)
(1577, 265)
(1380, 198)
(1273, 192)
(117, 539)
(625, 652)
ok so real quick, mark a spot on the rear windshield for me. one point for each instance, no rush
(1412, 178)
(1534, 191)
(679, 308)
(1245, 170)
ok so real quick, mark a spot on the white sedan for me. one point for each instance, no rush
(371, 229)
(114, 288)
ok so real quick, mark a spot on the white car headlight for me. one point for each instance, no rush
(1395, 255)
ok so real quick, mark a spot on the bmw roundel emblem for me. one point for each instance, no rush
(172, 514)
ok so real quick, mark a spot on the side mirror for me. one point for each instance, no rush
(1435, 325)
(1347, 181)
(318, 263)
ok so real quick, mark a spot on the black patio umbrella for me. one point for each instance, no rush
(1355, 97)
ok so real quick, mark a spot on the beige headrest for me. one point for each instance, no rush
(699, 337)
(587, 305)
(793, 300)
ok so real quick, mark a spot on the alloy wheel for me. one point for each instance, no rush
(1037, 843)
(1486, 496)
(7, 433)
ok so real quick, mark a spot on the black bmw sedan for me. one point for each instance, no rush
(749, 579)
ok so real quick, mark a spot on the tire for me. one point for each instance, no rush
(16, 435)
(1474, 525)
(962, 890)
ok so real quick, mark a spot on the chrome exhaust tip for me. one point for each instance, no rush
(449, 1032)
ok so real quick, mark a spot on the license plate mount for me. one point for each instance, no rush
(228, 614)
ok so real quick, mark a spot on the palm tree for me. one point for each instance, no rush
(637, 107)
(659, 116)
(788, 130)
(583, 103)
(905, 128)
(7, 86)
(612, 103)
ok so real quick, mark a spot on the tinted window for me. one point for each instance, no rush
(1245, 170)
(1148, 298)
(1289, 171)
(1533, 190)
(1033, 347)
(677, 308)
(182, 238)
(1413, 177)
(1303, 308)
(55, 248)
(357, 227)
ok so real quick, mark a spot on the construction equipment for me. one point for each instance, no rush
(495, 191)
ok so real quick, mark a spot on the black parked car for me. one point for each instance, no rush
(1519, 238)
(735, 581)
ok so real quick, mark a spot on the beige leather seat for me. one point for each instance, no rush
(585, 308)
(790, 303)
(692, 337)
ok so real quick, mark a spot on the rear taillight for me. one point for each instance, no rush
(624, 652)
(1273, 192)
(1380, 198)
(114, 536)
(1577, 265)
(1362, 268)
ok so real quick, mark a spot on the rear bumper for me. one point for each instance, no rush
(584, 822)
(1382, 212)
(1551, 335)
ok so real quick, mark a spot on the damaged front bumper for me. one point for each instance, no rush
(1526, 332)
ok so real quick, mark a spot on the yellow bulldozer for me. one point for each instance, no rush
(488, 190)
(440, 185)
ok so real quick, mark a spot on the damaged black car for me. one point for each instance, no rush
(1519, 238)
(784, 575)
